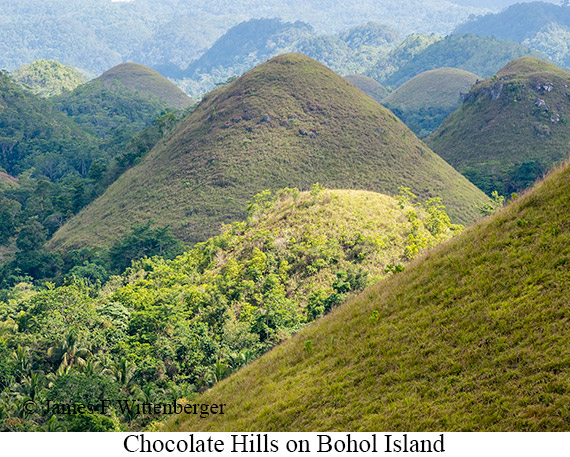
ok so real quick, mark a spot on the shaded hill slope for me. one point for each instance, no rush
(511, 128)
(369, 86)
(251, 43)
(473, 336)
(517, 22)
(541, 26)
(424, 101)
(288, 122)
(34, 134)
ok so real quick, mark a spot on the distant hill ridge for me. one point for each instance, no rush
(483, 56)
(289, 122)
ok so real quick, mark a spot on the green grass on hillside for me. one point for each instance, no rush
(473, 336)
(146, 80)
(369, 86)
(290, 122)
(424, 101)
(511, 128)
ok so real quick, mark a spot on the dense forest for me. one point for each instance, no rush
(64, 152)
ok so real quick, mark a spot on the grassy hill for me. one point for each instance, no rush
(145, 80)
(120, 103)
(483, 56)
(48, 77)
(427, 99)
(367, 85)
(473, 336)
(511, 128)
(288, 122)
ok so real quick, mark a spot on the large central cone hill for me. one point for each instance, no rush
(290, 122)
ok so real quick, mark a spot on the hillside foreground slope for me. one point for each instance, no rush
(290, 122)
(473, 336)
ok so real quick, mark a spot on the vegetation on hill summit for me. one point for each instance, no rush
(164, 329)
(48, 77)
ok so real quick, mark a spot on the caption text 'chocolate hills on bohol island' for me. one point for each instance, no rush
(322, 216)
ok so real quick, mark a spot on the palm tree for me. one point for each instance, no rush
(69, 352)
(123, 372)
(31, 386)
(23, 360)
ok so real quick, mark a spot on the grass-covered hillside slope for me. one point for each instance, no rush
(145, 80)
(369, 86)
(427, 99)
(473, 336)
(48, 77)
(510, 128)
(480, 55)
(288, 122)
(167, 328)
